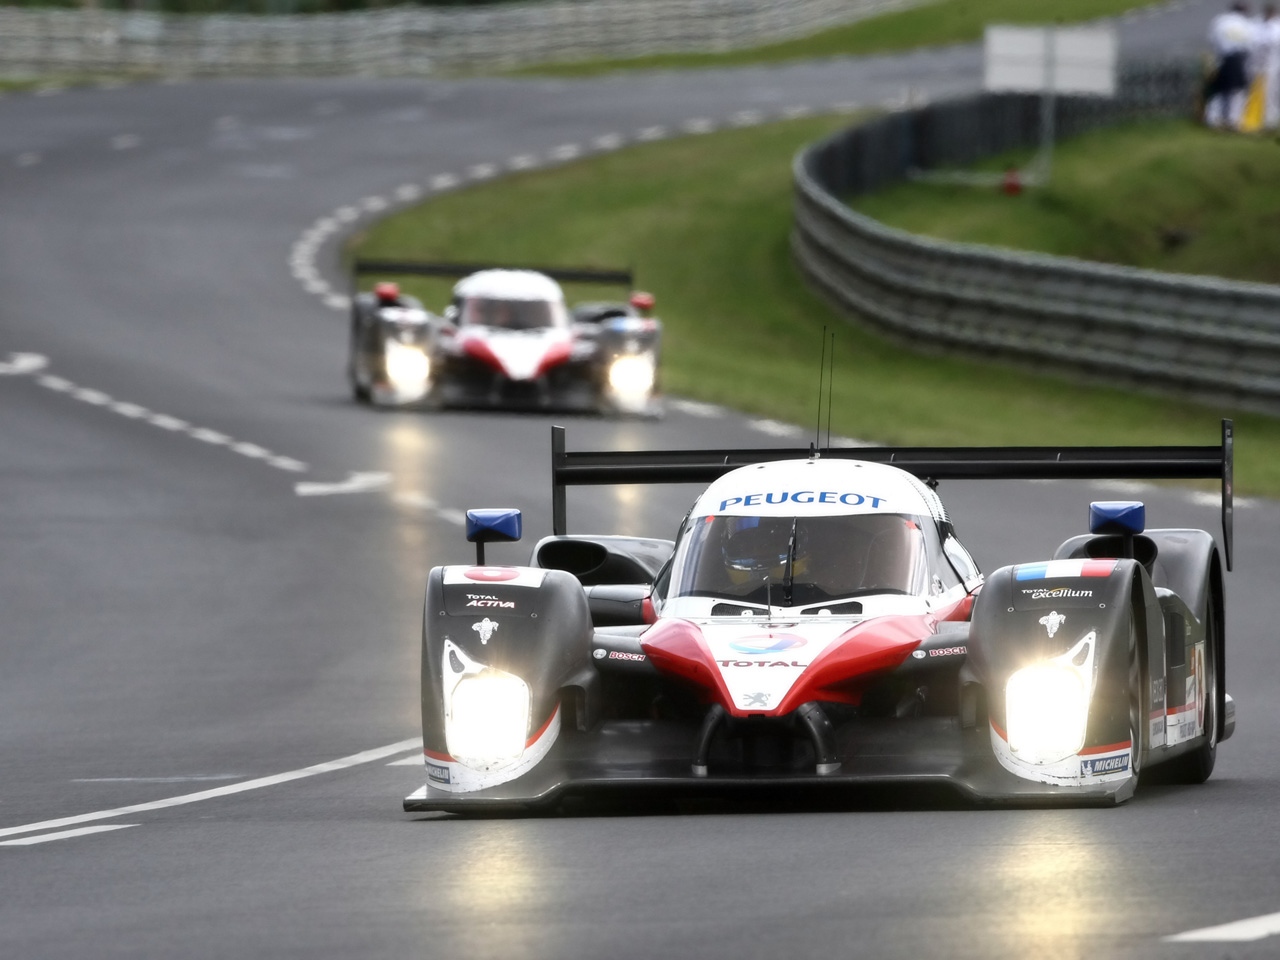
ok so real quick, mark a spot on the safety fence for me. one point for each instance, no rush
(403, 41)
(1193, 335)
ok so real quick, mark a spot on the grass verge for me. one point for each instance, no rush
(705, 221)
(932, 24)
(1166, 195)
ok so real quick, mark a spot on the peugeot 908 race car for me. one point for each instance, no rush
(507, 339)
(817, 621)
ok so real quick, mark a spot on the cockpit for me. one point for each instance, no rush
(505, 314)
(799, 561)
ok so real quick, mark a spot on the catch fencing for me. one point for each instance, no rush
(403, 41)
(1191, 335)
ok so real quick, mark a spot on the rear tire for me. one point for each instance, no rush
(1138, 719)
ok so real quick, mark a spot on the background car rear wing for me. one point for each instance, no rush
(587, 468)
(442, 269)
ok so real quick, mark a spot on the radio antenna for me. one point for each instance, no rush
(831, 379)
(822, 366)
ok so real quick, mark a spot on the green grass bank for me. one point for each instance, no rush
(705, 221)
(934, 24)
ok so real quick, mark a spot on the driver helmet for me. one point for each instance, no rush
(756, 547)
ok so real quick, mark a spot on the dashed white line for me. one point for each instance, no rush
(49, 91)
(65, 835)
(776, 428)
(1241, 931)
(698, 125)
(747, 118)
(608, 141)
(482, 171)
(695, 409)
(444, 181)
(355, 483)
(166, 422)
(342, 763)
(95, 397)
(523, 161)
(408, 192)
(205, 435)
(412, 760)
(373, 204)
(21, 364)
(566, 151)
(796, 112)
(347, 214)
(652, 133)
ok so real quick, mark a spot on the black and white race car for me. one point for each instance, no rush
(507, 339)
(818, 622)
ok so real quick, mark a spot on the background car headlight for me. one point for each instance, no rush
(631, 375)
(487, 720)
(1047, 705)
(407, 366)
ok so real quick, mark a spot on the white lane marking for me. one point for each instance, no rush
(747, 118)
(1254, 928)
(523, 161)
(23, 363)
(329, 766)
(27, 362)
(1131, 488)
(408, 192)
(337, 301)
(374, 204)
(412, 760)
(695, 409)
(49, 91)
(347, 214)
(776, 428)
(198, 778)
(355, 483)
(125, 141)
(608, 141)
(28, 159)
(444, 181)
(652, 133)
(482, 171)
(566, 151)
(796, 112)
(65, 835)
(698, 125)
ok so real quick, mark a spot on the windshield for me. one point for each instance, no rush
(796, 561)
(513, 314)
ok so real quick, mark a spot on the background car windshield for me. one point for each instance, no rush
(832, 558)
(513, 314)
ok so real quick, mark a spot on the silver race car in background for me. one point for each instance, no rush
(507, 339)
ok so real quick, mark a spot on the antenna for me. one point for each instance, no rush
(831, 379)
(822, 366)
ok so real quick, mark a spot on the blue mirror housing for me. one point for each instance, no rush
(494, 525)
(1123, 517)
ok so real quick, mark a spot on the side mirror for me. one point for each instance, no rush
(1125, 518)
(492, 525)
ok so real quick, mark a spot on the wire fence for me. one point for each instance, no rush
(404, 41)
(1205, 337)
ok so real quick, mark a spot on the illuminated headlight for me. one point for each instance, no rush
(632, 375)
(487, 719)
(407, 366)
(1047, 705)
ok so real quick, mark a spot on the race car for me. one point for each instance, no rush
(507, 339)
(817, 622)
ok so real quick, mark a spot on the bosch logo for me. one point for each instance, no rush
(950, 652)
(623, 655)
(769, 643)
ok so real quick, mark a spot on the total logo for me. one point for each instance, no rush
(768, 643)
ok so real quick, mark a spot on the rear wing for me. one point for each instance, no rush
(584, 468)
(459, 270)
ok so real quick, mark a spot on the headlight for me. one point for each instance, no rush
(632, 375)
(487, 719)
(1047, 705)
(407, 366)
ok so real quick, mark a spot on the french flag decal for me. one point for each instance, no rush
(1053, 569)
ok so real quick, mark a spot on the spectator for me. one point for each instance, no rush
(1266, 65)
(1232, 36)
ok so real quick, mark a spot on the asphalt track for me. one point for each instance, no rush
(211, 567)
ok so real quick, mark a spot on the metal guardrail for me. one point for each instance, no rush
(1191, 335)
(403, 41)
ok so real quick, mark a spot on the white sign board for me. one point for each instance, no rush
(1056, 59)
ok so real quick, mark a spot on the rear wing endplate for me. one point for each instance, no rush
(459, 270)
(584, 468)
